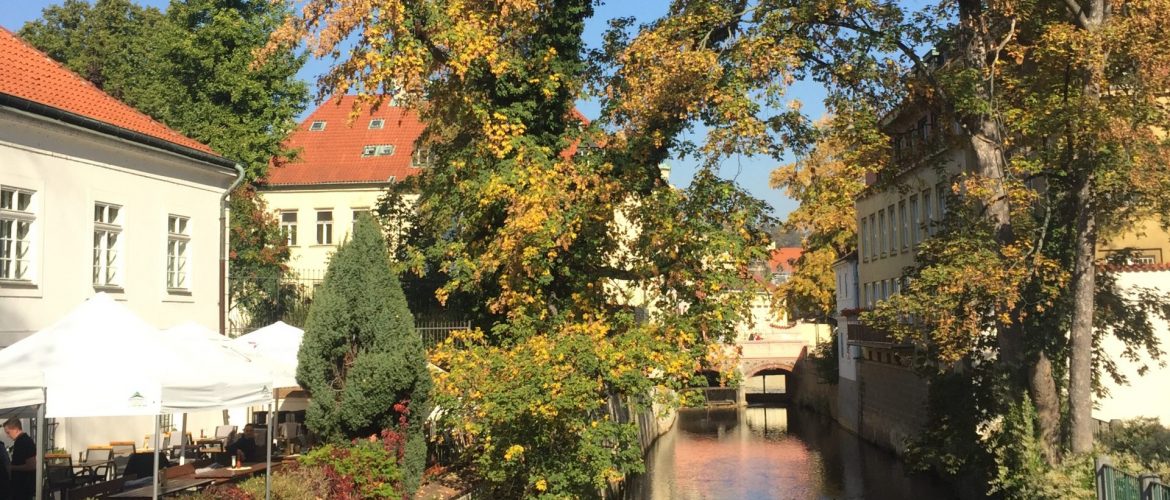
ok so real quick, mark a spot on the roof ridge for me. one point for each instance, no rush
(102, 94)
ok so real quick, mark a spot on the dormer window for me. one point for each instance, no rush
(377, 123)
(421, 157)
(378, 150)
(317, 126)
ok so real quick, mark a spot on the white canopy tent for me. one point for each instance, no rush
(277, 343)
(53, 369)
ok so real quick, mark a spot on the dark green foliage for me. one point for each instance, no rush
(361, 359)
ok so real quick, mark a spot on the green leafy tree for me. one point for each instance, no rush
(558, 229)
(361, 360)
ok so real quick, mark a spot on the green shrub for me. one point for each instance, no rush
(362, 469)
(361, 360)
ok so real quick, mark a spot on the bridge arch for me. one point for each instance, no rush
(750, 370)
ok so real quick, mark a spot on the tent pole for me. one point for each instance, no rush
(41, 441)
(154, 483)
(183, 441)
(268, 459)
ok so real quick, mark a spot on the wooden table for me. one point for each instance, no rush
(225, 474)
(173, 486)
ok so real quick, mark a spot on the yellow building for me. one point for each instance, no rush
(893, 220)
(343, 167)
(1148, 244)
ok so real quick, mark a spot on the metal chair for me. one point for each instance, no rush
(59, 473)
(288, 433)
(98, 472)
(122, 451)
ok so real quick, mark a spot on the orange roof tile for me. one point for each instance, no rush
(31, 75)
(334, 155)
(782, 259)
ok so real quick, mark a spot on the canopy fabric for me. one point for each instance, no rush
(97, 334)
(279, 344)
(205, 371)
(101, 350)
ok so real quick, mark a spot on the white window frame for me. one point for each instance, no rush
(862, 242)
(873, 247)
(354, 212)
(377, 124)
(16, 253)
(882, 232)
(915, 220)
(892, 234)
(178, 252)
(108, 250)
(317, 126)
(421, 157)
(288, 229)
(324, 227)
(927, 213)
(903, 226)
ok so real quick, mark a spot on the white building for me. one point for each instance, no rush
(343, 166)
(96, 196)
(1142, 396)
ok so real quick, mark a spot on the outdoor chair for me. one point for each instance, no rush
(59, 474)
(225, 433)
(122, 451)
(176, 449)
(100, 472)
(287, 434)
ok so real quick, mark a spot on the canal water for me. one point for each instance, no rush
(775, 452)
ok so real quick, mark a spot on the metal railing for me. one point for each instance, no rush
(1115, 484)
(436, 332)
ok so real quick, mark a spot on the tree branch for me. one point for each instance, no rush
(1078, 12)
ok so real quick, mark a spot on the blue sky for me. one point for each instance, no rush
(749, 172)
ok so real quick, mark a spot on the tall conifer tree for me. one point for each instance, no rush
(361, 360)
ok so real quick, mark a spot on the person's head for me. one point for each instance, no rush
(13, 428)
(248, 429)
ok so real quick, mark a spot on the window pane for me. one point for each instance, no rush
(99, 213)
(288, 216)
(6, 198)
(23, 201)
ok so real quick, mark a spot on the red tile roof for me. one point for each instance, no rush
(31, 75)
(334, 155)
(782, 259)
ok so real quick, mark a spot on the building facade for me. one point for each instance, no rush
(97, 197)
(345, 163)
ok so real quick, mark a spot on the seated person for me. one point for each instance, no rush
(244, 448)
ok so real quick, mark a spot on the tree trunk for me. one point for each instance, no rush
(1092, 17)
(986, 139)
(1042, 389)
(1080, 369)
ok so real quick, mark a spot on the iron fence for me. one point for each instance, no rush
(436, 332)
(1115, 484)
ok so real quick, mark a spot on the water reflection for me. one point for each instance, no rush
(770, 453)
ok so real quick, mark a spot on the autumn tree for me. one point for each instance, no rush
(825, 182)
(561, 229)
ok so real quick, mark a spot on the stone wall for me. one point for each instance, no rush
(892, 401)
(810, 391)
